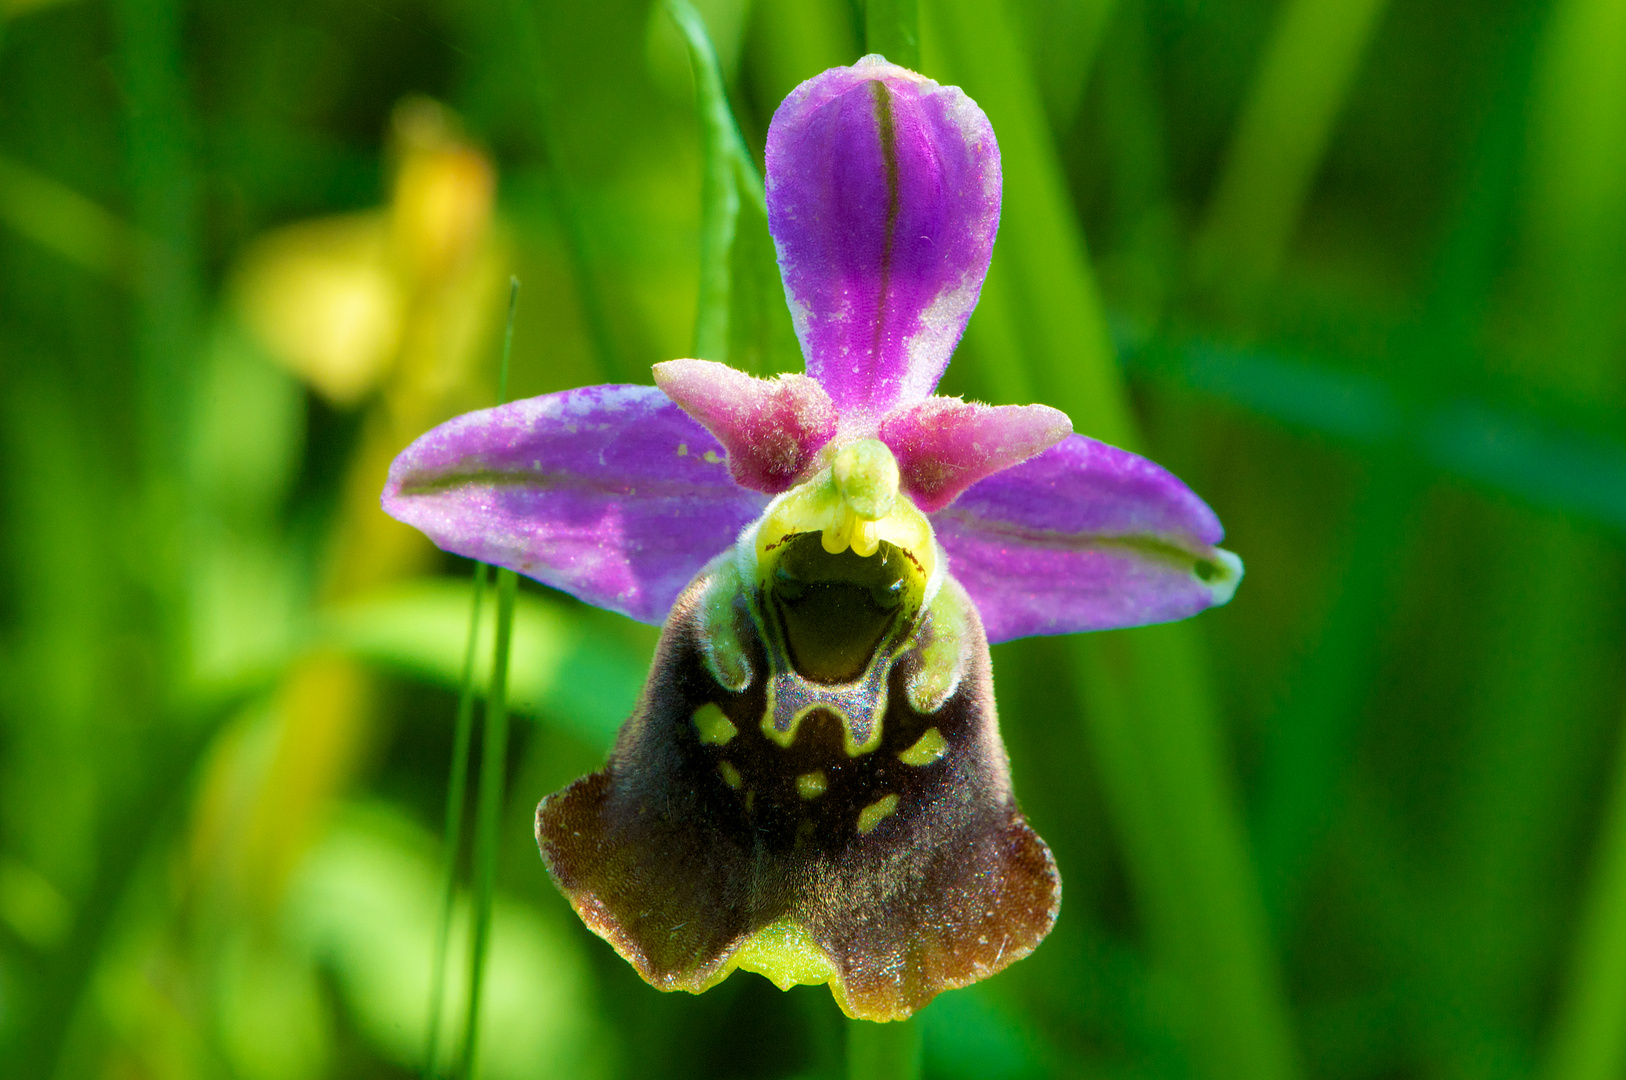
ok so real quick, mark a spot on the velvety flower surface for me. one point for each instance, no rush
(813, 785)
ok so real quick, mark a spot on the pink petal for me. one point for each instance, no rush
(944, 445)
(772, 428)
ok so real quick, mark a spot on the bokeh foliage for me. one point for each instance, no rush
(1354, 270)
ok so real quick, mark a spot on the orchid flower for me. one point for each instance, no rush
(813, 785)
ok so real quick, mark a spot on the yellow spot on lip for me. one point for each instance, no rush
(731, 775)
(875, 813)
(811, 785)
(715, 728)
(927, 749)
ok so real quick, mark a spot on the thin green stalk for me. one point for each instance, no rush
(892, 28)
(883, 1051)
(1521, 781)
(493, 759)
(457, 782)
(162, 191)
(741, 317)
(456, 792)
(1576, 222)
(488, 824)
(151, 64)
(507, 341)
(722, 148)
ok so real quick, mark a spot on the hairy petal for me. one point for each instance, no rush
(1085, 537)
(944, 445)
(611, 493)
(707, 845)
(771, 428)
(883, 199)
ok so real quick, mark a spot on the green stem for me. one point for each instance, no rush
(457, 783)
(507, 341)
(727, 173)
(883, 1051)
(892, 28)
(456, 792)
(488, 824)
(719, 185)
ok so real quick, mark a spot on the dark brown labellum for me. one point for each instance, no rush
(816, 825)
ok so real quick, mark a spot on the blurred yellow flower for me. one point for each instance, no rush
(331, 299)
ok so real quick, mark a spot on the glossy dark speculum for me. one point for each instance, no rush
(773, 827)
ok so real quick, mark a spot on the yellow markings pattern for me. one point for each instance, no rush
(875, 813)
(811, 785)
(927, 749)
(715, 728)
(731, 775)
(787, 737)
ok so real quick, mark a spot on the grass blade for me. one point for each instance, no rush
(741, 317)
(1150, 714)
(1281, 138)
(892, 28)
(488, 823)
(456, 793)
(721, 150)
(1589, 1040)
(457, 783)
(562, 193)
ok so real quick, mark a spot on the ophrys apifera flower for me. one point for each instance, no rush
(813, 784)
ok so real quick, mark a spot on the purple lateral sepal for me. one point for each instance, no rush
(1084, 537)
(883, 199)
(610, 493)
(944, 445)
(771, 428)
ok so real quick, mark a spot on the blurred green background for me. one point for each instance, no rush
(1356, 271)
